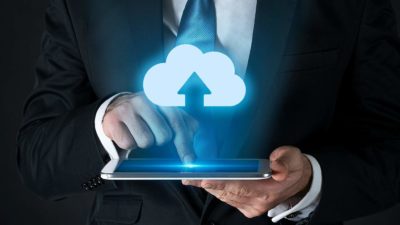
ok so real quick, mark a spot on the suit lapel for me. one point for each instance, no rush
(146, 22)
(124, 39)
(272, 25)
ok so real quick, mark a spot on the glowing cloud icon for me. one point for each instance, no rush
(164, 83)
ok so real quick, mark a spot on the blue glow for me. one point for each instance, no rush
(162, 165)
(190, 165)
(163, 81)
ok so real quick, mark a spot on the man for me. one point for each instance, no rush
(324, 79)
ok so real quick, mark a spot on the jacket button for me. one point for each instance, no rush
(100, 180)
(85, 186)
(93, 183)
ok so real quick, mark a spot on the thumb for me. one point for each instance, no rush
(279, 163)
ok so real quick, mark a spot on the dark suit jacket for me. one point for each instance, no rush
(324, 76)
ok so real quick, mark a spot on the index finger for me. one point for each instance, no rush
(183, 140)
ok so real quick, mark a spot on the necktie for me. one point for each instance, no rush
(198, 25)
(198, 28)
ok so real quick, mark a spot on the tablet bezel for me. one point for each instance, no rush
(108, 173)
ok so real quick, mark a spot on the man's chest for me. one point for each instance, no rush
(299, 53)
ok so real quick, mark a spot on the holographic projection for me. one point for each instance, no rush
(192, 78)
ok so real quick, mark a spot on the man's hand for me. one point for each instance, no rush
(291, 176)
(132, 121)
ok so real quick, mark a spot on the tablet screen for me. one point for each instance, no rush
(161, 165)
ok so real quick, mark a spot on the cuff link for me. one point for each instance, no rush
(293, 215)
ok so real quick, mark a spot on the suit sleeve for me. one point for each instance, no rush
(361, 161)
(58, 149)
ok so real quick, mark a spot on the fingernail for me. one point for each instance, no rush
(185, 182)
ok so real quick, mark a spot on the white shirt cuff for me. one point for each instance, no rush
(307, 205)
(98, 124)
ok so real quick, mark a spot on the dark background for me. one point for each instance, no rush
(21, 24)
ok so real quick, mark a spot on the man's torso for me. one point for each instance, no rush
(299, 56)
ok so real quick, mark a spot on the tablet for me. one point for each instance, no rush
(169, 169)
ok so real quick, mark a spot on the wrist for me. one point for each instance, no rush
(119, 99)
(308, 204)
(308, 174)
(105, 141)
(305, 184)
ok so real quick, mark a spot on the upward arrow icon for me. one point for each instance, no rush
(194, 90)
